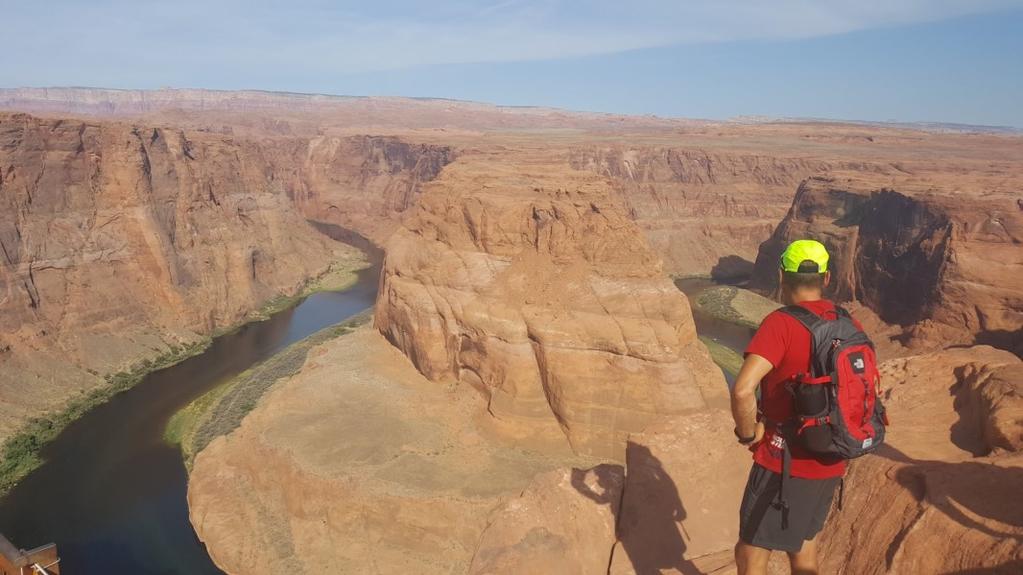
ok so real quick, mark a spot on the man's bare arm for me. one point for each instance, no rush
(744, 395)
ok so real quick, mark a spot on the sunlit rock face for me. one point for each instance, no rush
(528, 281)
(118, 240)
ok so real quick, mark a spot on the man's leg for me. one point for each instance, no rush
(751, 560)
(804, 561)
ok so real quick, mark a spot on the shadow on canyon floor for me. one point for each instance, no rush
(966, 432)
(650, 529)
(1011, 341)
(732, 270)
(964, 488)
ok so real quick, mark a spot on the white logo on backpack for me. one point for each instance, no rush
(867, 442)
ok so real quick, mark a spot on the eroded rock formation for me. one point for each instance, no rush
(695, 206)
(950, 473)
(533, 286)
(943, 267)
(119, 240)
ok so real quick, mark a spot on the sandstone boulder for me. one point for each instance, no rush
(900, 516)
(946, 405)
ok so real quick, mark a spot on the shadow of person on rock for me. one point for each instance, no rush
(650, 518)
(978, 495)
(609, 479)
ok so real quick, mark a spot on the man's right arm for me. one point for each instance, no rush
(744, 396)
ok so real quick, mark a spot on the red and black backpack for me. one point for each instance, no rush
(836, 406)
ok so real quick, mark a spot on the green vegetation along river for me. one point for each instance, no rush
(112, 491)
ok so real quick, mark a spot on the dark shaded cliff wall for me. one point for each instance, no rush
(366, 182)
(944, 269)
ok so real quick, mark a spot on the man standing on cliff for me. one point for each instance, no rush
(779, 352)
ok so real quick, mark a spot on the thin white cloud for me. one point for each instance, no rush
(338, 38)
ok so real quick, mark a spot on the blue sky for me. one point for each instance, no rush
(906, 60)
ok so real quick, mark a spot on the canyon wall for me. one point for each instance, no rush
(705, 194)
(529, 282)
(943, 267)
(527, 265)
(119, 241)
(706, 210)
(366, 183)
(125, 241)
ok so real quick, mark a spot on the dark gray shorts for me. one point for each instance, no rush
(760, 520)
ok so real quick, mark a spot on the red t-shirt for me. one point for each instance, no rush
(785, 342)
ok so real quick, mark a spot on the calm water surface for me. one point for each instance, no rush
(111, 493)
(728, 334)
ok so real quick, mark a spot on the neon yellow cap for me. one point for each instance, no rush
(802, 250)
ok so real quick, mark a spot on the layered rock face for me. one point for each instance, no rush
(366, 183)
(951, 472)
(697, 207)
(528, 282)
(704, 209)
(119, 240)
(532, 285)
(943, 267)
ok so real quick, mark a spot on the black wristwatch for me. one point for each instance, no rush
(743, 440)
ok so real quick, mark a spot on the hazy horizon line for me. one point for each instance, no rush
(926, 125)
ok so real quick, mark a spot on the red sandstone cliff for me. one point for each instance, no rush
(705, 194)
(119, 240)
(366, 183)
(706, 209)
(529, 282)
(944, 267)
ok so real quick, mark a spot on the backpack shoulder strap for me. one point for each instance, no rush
(804, 316)
(842, 312)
